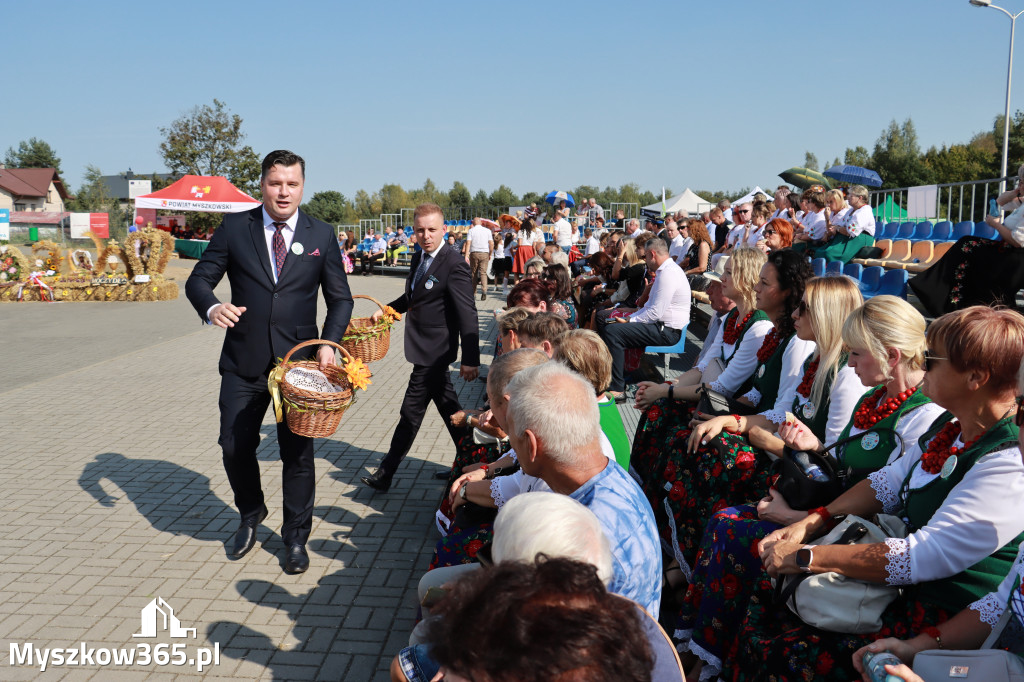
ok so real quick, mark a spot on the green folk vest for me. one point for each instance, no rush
(767, 377)
(862, 459)
(611, 425)
(818, 421)
(919, 505)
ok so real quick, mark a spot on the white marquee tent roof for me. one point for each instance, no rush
(687, 202)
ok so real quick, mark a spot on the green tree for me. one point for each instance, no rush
(32, 153)
(208, 141)
(958, 163)
(367, 206)
(858, 156)
(459, 195)
(428, 193)
(480, 198)
(897, 157)
(331, 207)
(503, 197)
(393, 199)
(811, 161)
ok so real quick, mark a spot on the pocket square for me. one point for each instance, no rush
(316, 252)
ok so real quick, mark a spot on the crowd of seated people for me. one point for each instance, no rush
(919, 422)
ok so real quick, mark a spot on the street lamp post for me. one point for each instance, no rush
(1009, 77)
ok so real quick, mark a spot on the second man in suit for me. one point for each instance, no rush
(439, 308)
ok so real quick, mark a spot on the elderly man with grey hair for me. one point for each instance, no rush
(554, 426)
(633, 229)
(659, 323)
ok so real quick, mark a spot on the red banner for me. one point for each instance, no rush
(99, 225)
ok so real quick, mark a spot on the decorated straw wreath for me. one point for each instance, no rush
(369, 340)
(53, 259)
(147, 251)
(313, 401)
(14, 266)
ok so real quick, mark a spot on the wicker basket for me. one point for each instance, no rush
(311, 413)
(365, 339)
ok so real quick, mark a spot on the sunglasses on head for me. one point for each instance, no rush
(929, 359)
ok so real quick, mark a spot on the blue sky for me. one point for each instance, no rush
(537, 96)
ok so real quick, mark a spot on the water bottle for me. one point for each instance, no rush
(874, 665)
(993, 208)
(810, 469)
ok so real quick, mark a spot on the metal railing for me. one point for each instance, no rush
(628, 210)
(954, 201)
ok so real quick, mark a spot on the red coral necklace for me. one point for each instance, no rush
(732, 330)
(804, 388)
(866, 417)
(941, 448)
(768, 346)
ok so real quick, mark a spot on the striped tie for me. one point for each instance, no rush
(280, 252)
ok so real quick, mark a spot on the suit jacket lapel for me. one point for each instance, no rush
(300, 236)
(259, 241)
(441, 253)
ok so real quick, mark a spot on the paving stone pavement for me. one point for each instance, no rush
(113, 494)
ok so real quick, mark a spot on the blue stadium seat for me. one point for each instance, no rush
(943, 232)
(892, 283)
(964, 229)
(982, 229)
(906, 230)
(818, 265)
(889, 232)
(922, 232)
(834, 267)
(869, 279)
(853, 270)
(679, 348)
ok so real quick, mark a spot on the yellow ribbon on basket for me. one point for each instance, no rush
(274, 385)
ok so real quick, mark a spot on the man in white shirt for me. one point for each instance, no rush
(374, 252)
(593, 242)
(725, 206)
(562, 232)
(633, 229)
(480, 248)
(679, 243)
(659, 323)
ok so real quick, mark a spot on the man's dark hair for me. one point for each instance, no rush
(550, 620)
(281, 157)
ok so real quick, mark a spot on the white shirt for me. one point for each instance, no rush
(980, 515)
(563, 232)
(635, 234)
(499, 249)
(755, 235)
(732, 240)
(669, 301)
(593, 246)
(861, 220)
(680, 246)
(287, 233)
(814, 224)
(740, 362)
(479, 239)
(797, 351)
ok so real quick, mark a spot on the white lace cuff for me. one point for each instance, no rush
(513, 455)
(754, 396)
(989, 609)
(883, 492)
(897, 567)
(703, 364)
(716, 385)
(712, 664)
(774, 416)
(496, 494)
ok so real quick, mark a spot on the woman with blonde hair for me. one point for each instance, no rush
(886, 338)
(733, 354)
(958, 488)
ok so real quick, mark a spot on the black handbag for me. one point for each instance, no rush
(715, 404)
(808, 479)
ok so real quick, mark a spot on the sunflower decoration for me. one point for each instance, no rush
(391, 315)
(358, 373)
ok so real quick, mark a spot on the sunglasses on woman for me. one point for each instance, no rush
(769, 233)
(929, 359)
(801, 308)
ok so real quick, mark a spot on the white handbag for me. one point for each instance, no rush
(835, 602)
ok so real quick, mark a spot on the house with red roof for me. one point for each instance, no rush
(35, 196)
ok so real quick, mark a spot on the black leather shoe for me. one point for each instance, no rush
(379, 481)
(296, 559)
(245, 536)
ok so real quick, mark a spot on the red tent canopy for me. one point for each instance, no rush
(211, 193)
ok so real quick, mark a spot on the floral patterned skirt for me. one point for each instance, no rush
(467, 452)
(461, 545)
(773, 644)
(726, 471)
(662, 424)
(975, 271)
(726, 574)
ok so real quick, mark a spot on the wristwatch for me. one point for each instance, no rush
(804, 557)
(462, 493)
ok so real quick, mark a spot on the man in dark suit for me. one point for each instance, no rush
(439, 308)
(275, 257)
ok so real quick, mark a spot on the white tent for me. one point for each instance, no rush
(687, 202)
(749, 196)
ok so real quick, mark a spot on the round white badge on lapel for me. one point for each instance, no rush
(429, 284)
(808, 410)
(297, 248)
(870, 440)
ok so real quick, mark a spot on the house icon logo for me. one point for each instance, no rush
(158, 615)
